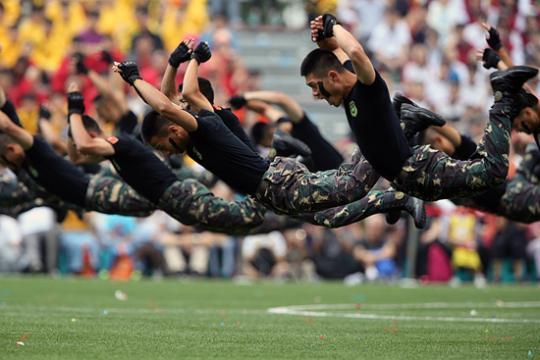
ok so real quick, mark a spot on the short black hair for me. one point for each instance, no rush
(90, 124)
(205, 87)
(154, 125)
(319, 62)
(258, 130)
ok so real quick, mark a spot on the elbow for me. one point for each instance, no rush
(357, 52)
(85, 149)
(163, 107)
(189, 94)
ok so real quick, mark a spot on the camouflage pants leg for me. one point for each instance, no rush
(192, 203)
(288, 187)
(204, 177)
(23, 193)
(274, 222)
(521, 201)
(431, 175)
(375, 202)
(528, 164)
(13, 192)
(15, 197)
(109, 195)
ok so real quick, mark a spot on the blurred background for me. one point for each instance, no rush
(425, 49)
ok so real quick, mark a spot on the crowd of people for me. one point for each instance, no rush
(428, 50)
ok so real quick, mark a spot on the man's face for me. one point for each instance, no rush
(528, 121)
(107, 112)
(13, 157)
(174, 142)
(328, 88)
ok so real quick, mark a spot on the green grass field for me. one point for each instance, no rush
(74, 318)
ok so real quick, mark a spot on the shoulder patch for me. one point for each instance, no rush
(112, 139)
(352, 108)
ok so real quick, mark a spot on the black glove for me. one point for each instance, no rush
(129, 72)
(80, 67)
(44, 113)
(107, 57)
(181, 54)
(329, 21)
(494, 39)
(75, 103)
(237, 101)
(490, 58)
(201, 53)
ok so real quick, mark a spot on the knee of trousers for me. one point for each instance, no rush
(496, 172)
(275, 189)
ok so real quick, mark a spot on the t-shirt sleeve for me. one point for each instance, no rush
(349, 66)
(466, 149)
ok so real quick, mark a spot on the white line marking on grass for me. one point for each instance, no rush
(128, 311)
(315, 310)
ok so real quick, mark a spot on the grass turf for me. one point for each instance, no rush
(74, 318)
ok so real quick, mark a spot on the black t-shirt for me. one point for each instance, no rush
(140, 167)
(233, 123)
(221, 152)
(324, 155)
(54, 173)
(465, 150)
(376, 127)
(11, 113)
(127, 124)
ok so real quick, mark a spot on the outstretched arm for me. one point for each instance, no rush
(293, 110)
(326, 43)
(181, 54)
(155, 98)
(190, 89)
(107, 90)
(260, 107)
(505, 61)
(84, 143)
(48, 132)
(17, 133)
(350, 46)
(168, 83)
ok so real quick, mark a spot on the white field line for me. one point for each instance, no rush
(434, 305)
(134, 311)
(314, 310)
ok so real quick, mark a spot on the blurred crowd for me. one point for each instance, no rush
(425, 49)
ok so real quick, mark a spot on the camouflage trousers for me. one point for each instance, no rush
(192, 203)
(109, 195)
(375, 202)
(521, 200)
(22, 193)
(432, 175)
(288, 187)
(204, 177)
